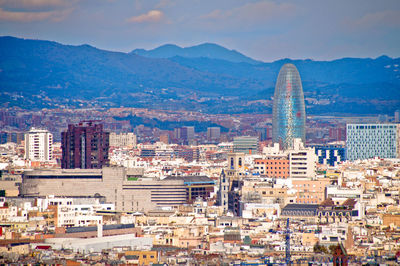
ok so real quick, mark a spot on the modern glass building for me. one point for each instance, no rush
(245, 144)
(330, 154)
(289, 115)
(366, 141)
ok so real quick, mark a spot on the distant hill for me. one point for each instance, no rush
(32, 65)
(345, 70)
(36, 74)
(207, 50)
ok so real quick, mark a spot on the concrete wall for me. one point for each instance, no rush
(141, 195)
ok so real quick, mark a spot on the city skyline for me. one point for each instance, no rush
(202, 155)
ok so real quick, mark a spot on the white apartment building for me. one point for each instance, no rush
(38, 145)
(302, 161)
(366, 141)
(122, 140)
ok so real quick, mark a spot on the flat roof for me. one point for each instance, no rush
(94, 228)
(64, 172)
(296, 206)
(191, 179)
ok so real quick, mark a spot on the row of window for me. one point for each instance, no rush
(272, 168)
(273, 162)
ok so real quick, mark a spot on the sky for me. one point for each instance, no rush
(264, 30)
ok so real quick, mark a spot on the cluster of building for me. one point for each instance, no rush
(101, 197)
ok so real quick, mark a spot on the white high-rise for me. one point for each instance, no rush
(38, 145)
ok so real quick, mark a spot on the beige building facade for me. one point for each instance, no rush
(138, 194)
(122, 140)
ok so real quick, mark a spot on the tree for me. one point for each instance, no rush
(319, 248)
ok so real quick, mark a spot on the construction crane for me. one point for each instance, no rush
(287, 242)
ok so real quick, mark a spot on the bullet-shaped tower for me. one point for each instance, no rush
(289, 115)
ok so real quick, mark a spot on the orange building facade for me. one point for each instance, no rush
(274, 167)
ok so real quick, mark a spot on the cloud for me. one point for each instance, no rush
(380, 19)
(151, 16)
(33, 5)
(250, 14)
(22, 16)
(35, 10)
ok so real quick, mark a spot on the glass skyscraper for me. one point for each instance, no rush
(289, 115)
(366, 141)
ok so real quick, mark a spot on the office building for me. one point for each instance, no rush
(245, 144)
(213, 134)
(289, 115)
(366, 141)
(15, 137)
(123, 140)
(184, 135)
(197, 186)
(330, 154)
(38, 145)
(85, 145)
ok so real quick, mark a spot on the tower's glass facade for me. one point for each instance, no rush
(289, 115)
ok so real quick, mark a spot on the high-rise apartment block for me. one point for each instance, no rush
(16, 137)
(245, 144)
(85, 145)
(213, 134)
(184, 135)
(289, 115)
(372, 140)
(123, 140)
(38, 145)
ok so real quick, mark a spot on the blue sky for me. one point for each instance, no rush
(265, 30)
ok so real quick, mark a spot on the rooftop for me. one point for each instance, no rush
(191, 179)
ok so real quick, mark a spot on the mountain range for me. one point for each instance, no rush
(207, 50)
(206, 77)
